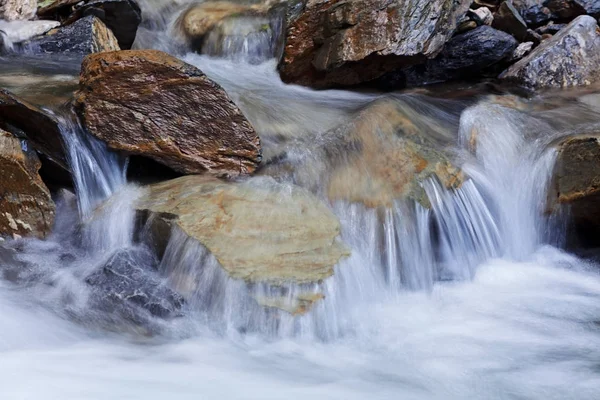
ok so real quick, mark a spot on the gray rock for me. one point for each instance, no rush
(521, 51)
(129, 281)
(534, 12)
(335, 43)
(85, 36)
(465, 56)
(570, 58)
(483, 16)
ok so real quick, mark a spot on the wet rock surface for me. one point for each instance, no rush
(570, 58)
(26, 208)
(129, 281)
(84, 36)
(166, 110)
(465, 56)
(26, 120)
(259, 231)
(337, 43)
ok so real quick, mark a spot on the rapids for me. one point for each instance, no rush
(474, 298)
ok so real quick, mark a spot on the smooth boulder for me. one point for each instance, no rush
(26, 208)
(338, 43)
(558, 63)
(259, 231)
(151, 104)
(84, 36)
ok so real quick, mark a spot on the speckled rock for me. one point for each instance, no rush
(336, 43)
(259, 231)
(13, 10)
(164, 109)
(26, 208)
(85, 36)
(569, 58)
(534, 12)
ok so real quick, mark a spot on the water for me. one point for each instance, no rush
(471, 298)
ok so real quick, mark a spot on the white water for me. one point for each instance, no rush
(468, 300)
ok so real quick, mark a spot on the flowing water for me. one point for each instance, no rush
(471, 298)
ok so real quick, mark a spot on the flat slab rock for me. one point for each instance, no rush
(148, 103)
(336, 43)
(259, 231)
(569, 58)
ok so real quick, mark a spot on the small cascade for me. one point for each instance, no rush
(6, 44)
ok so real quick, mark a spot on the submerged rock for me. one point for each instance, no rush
(129, 280)
(335, 43)
(151, 104)
(85, 36)
(259, 231)
(383, 155)
(557, 62)
(12, 10)
(26, 208)
(24, 119)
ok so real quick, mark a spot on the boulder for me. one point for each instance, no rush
(576, 183)
(41, 129)
(509, 20)
(26, 208)
(569, 9)
(259, 231)
(122, 17)
(85, 36)
(129, 281)
(199, 19)
(383, 155)
(465, 56)
(339, 43)
(164, 109)
(569, 58)
(12, 10)
(534, 12)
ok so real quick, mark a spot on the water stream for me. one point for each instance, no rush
(472, 298)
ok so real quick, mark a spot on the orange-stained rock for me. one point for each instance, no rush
(336, 42)
(148, 103)
(26, 208)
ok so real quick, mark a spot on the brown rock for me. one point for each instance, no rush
(151, 104)
(199, 19)
(336, 43)
(509, 20)
(42, 130)
(26, 208)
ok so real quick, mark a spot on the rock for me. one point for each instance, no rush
(490, 4)
(551, 29)
(576, 183)
(568, 9)
(483, 16)
(49, 8)
(533, 11)
(465, 56)
(199, 19)
(466, 26)
(340, 43)
(259, 231)
(521, 51)
(164, 109)
(128, 281)
(509, 20)
(557, 62)
(41, 129)
(384, 154)
(20, 31)
(85, 36)
(12, 10)
(26, 208)
(122, 17)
